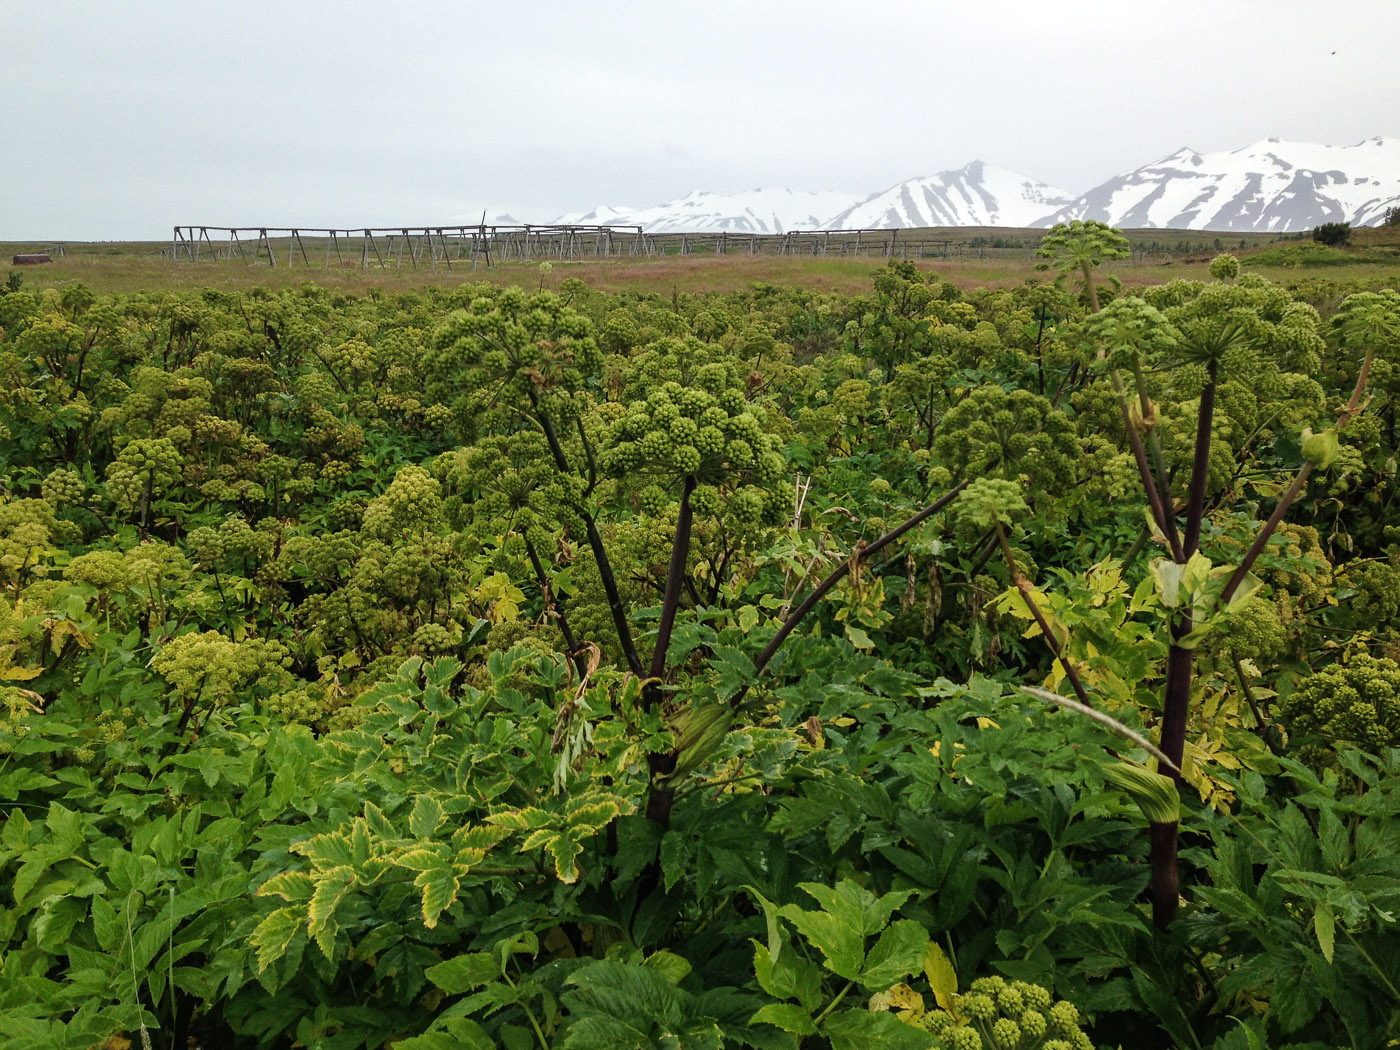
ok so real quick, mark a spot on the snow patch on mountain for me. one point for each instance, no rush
(979, 194)
(602, 215)
(754, 211)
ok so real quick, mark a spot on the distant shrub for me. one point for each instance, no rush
(1332, 233)
(1302, 255)
(1392, 216)
(1224, 267)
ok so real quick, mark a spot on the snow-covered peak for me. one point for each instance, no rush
(1274, 186)
(979, 194)
(602, 215)
(751, 211)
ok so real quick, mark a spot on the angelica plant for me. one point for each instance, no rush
(1227, 344)
(993, 433)
(891, 327)
(143, 470)
(1356, 702)
(513, 356)
(206, 671)
(997, 1014)
(1080, 247)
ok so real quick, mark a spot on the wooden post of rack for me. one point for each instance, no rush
(296, 236)
(370, 244)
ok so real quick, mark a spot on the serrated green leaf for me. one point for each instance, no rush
(787, 1016)
(66, 827)
(857, 637)
(28, 876)
(748, 618)
(105, 924)
(790, 977)
(1325, 926)
(325, 936)
(274, 933)
(331, 850)
(378, 822)
(360, 842)
(853, 903)
(477, 836)
(456, 1040)
(564, 848)
(668, 965)
(899, 952)
(462, 973)
(439, 887)
(330, 890)
(289, 885)
(841, 942)
(426, 816)
(863, 1030)
(527, 819)
(674, 857)
(593, 816)
(1253, 1040)
(540, 838)
(1296, 994)
(1334, 839)
(422, 859)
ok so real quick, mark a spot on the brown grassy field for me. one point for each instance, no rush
(123, 267)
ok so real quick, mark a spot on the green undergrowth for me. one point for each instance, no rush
(914, 666)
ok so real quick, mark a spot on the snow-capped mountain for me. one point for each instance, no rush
(1273, 186)
(977, 195)
(603, 215)
(756, 211)
(1270, 187)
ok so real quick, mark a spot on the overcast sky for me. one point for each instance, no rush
(121, 119)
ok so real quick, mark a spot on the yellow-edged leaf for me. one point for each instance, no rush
(290, 886)
(942, 978)
(439, 886)
(274, 933)
(330, 890)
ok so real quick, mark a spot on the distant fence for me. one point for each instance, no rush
(392, 246)
(486, 245)
(889, 244)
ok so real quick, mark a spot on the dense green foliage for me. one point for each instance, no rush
(1332, 233)
(482, 667)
